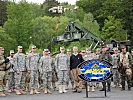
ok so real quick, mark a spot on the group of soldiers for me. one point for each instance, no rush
(34, 72)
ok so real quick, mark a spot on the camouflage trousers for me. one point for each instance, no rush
(116, 76)
(2, 86)
(20, 80)
(34, 80)
(62, 77)
(47, 79)
(11, 80)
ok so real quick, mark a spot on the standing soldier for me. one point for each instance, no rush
(116, 74)
(105, 55)
(11, 79)
(69, 71)
(20, 71)
(61, 64)
(98, 53)
(125, 59)
(45, 69)
(132, 66)
(90, 56)
(75, 60)
(32, 68)
(3, 68)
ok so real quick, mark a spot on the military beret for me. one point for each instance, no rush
(1, 48)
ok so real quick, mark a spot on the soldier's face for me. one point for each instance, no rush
(88, 51)
(1, 51)
(104, 49)
(69, 52)
(97, 52)
(12, 54)
(20, 50)
(115, 51)
(123, 50)
(33, 49)
(46, 53)
(62, 50)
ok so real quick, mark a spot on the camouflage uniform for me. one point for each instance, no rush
(62, 63)
(2, 72)
(33, 66)
(11, 73)
(45, 68)
(125, 69)
(107, 57)
(20, 66)
(116, 74)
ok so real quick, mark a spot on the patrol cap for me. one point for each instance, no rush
(62, 48)
(68, 50)
(83, 51)
(46, 50)
(20, 47)
(1, 48)
(115, 49)
(98, 49)
(88, 49)
(11, 51)
(104, 46)
(33, 47)
(123, 46)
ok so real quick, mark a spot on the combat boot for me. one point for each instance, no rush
(93, 89)
(6, 93)
(88, 88)
(49, 91)
(36, 92)
(18, 92)
(60, 89)
(31, 92)
(2, 94)
(64, 88)
(129, 88)
(22, 92)
(45, 90)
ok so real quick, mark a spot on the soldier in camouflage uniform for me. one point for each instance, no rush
(125, 63)
(116, 74)
(46, 65)
(20, 71)
(105, 55)
(132, 66)
(3, 67)
(33, 68)
(90, 56)
(62, 63)
(11, 73)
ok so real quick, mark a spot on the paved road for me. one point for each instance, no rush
(115, 94)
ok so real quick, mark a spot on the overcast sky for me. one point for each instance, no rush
(41, 1)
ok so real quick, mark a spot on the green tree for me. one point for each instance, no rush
(6, 41)
(113, 29)
(19, 22)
